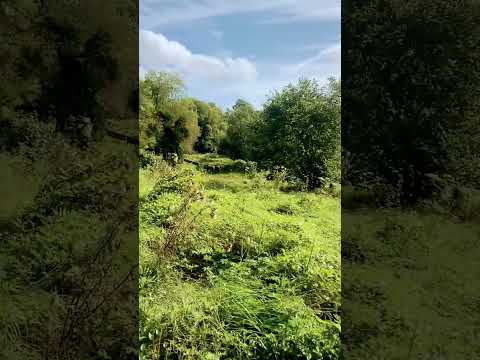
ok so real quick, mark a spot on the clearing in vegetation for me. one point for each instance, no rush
(234, 267)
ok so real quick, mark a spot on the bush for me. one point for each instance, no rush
(147, 159)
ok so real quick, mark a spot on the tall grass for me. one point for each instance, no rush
(256, 274)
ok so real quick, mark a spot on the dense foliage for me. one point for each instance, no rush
(241, 135)
(410, 135)
(412, 91)
(237, 261)
(212, 127)
(171, 123)
(298, 128)
(61, 69)
(301, 131)
(67, 214)
(68, 230)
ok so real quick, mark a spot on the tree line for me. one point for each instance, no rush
(297, 129)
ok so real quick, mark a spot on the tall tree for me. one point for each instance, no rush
(301, 131)
(242, 120)
(212, 125)
(168, 122)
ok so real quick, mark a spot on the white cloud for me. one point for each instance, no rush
(165, 12)
(224, 79)
(272, 77)
(159, 53)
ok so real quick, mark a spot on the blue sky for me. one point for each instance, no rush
(230, 49)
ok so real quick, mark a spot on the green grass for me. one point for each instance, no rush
(410, 285)
(59, 204)
(255, 273)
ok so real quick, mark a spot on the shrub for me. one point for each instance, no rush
(146, 159)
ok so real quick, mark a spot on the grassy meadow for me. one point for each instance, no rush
(233, 266)
(409, 288)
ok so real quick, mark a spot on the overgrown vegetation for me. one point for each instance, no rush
(412, 94)
(234, 268)
(68, 253)
(239, 224)
(410, 194)
(298, 129)
(68, 227)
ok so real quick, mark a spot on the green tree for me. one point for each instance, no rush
(413, 80)
(301, 131)
(160, 88)
(242, 119)
(168, 122)
(179, 121)
(156, 90)
(212, 125)
(58, 68)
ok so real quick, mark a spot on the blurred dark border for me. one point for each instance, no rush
(69, 179)
(411, 179)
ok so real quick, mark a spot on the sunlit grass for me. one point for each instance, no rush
(258, 275)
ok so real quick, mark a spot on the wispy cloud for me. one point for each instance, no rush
(164, 12)
(326, 62)
(310, 12)
(329, 54)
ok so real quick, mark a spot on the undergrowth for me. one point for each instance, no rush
(231, 267)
